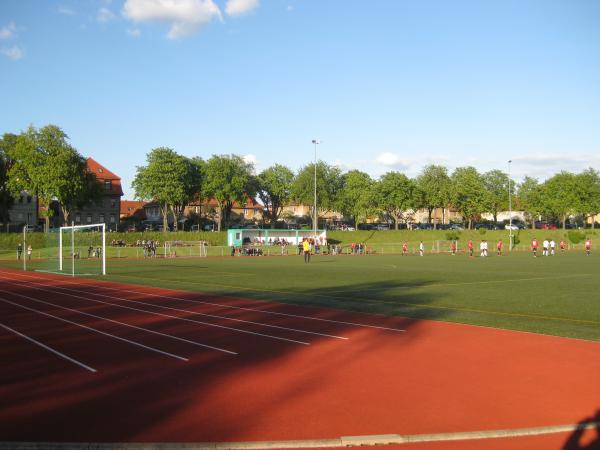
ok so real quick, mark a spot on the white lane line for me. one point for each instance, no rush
(298, 316)
(196, 313)
(166, 315)
(50, 349)
(120, 323)
(96, 331)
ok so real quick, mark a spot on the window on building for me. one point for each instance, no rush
(89, 218)
(77, 218)
(245, 212)
(107, 185)
(20, 216)
(113, 203)
(101, 218)
(112, 218)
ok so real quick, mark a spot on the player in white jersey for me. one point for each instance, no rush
(552, 247)
(545, 246)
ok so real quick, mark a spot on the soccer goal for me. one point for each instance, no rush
(174, 249)
(82, 250)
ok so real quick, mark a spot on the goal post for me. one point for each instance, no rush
(83, 248)
(188, 249)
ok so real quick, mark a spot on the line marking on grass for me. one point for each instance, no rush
(111, 320)
(96, 330)
(50, 349)
(396, 303)
(343, 441)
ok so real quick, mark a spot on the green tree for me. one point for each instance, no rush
(274, 188)
(468, 193)
(560, 196)
(329, 181)
(588, 187)
(395, 194)
(529, 198)
(166, 180)
(355, 199)
(435, 188)
(228, 179)
(7, 144)
(496, 188)
(46, 165)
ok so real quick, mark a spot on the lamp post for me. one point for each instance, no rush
(510, 235)
(315, 220)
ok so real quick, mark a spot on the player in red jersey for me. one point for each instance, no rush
(453, 247)
(499, 246)
(588, 247)
(404, 249)
(534, 247)
(470, 246)
(563, 245)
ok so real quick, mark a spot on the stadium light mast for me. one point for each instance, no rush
(315, 220)
(510, 235)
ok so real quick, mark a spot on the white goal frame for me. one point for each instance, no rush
(171, 246)
(73, 228)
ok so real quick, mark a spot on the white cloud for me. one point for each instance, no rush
(389, 159)
(8, 31)
(66, 11)
(105, 15)
(134, 32)
(185, 17)
(239, 7)
(13, 53)
(250, 158)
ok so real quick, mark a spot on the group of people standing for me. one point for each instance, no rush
(20, 251)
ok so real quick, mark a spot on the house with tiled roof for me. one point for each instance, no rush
(132, 208)
(108, 209)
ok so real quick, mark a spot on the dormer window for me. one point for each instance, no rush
(107, 185)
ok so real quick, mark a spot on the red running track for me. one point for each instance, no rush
(292, 377)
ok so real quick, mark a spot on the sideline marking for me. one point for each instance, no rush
(343, 441)
(370, 300)
(50, 349)
(167, 315)
(115, 321)
(96, 331)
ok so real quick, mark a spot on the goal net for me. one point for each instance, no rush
(175, 249)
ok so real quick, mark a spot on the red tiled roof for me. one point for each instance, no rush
(102, 174)
(130, 207)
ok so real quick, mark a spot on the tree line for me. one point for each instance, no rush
(173, 181)
(43, 163)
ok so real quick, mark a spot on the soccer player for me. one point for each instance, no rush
(588, 247)
(534, 247)
(482, 249)
(545, 246)
(563, 245)
(404, 249)
(552, 247)
(499, 247)
(470, 246)
(421, 249)
(306, 248)
(453, 248)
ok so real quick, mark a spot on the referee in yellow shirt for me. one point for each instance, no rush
(306, 248)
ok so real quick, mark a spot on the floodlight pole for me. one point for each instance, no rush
(510, 235)
(315, 218)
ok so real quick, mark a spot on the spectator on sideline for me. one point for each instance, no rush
(19, 250)
(29, 252)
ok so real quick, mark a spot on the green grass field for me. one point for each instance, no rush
(557, 295)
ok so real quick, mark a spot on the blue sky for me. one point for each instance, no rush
(386, 85)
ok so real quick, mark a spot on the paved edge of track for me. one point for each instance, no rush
(344, 441)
